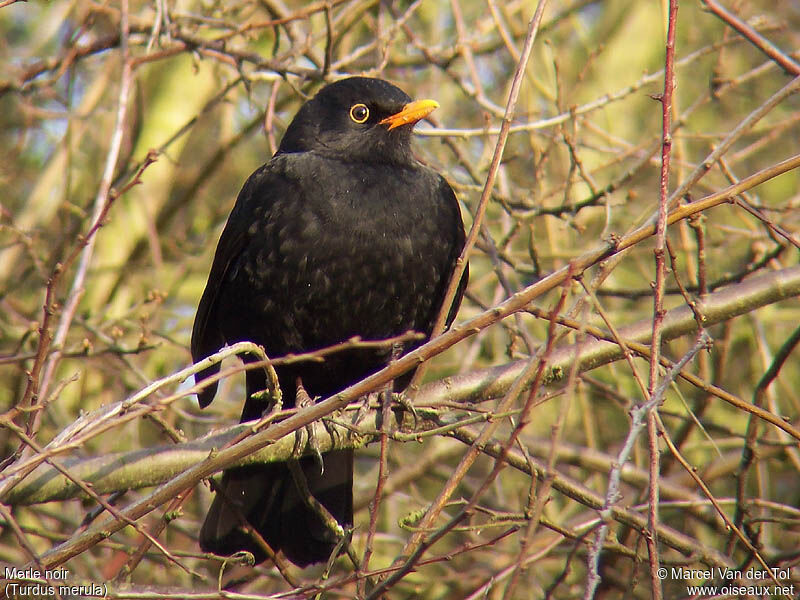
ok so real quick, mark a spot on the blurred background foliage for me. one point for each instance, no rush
(213, 87)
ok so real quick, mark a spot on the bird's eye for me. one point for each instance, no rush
(359, 113)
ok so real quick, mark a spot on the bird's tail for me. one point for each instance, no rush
(267, 497)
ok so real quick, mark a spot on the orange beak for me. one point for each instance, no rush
(411, 113)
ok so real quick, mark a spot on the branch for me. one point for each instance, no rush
(152, 466)
(755, 38)
(717, 307)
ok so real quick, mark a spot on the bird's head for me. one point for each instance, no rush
(360, 118)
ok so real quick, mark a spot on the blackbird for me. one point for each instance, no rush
(342, 233)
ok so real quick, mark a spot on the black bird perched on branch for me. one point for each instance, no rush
(342, 233)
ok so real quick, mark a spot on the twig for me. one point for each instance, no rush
(743, 127)
(486, 194)
(38, 383)
(658, 297)
(99, 419)
(751, 35)
(751, 434)
(735, 530)
(375, 503)
(86, 489)
(638, 423)
(580, 493)
(12, 524)
(536, 502)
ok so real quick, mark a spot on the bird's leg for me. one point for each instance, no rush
(302, 399)
(407, 405)
(366, 402)
(401, 399)
(386, 395)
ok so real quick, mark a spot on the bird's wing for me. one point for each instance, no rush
(206, 335)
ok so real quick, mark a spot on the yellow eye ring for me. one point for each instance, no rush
(359, 113)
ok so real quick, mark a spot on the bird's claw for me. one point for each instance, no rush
(302, 400)
(407, 405)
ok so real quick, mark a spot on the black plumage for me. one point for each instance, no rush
(342, 233)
